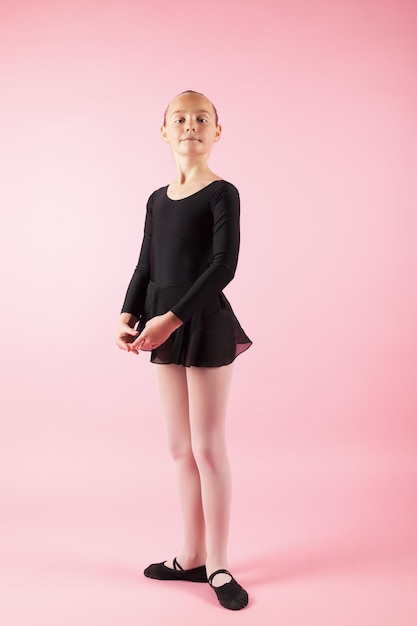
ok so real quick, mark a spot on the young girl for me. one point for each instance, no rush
(188, 255)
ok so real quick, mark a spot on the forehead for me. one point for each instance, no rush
(190, 103)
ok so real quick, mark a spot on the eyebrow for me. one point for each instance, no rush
(199, 111)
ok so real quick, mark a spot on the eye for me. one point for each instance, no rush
(203, 120)
(178, 120)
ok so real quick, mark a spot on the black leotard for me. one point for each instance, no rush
(189, 254)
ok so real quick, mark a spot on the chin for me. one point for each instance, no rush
(191, 150)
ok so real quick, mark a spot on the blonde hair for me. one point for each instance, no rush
(197, 93)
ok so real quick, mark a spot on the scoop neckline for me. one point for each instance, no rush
(218, 180)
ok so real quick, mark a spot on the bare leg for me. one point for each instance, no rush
(194, 402)
(208, 390)
(173, 393)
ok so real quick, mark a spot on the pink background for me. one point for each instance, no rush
(317, 100)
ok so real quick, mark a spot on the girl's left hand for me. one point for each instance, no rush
(156, 332)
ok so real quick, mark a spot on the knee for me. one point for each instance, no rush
(181, 451)
(208, 457)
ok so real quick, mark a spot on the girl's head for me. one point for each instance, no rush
(191, 124)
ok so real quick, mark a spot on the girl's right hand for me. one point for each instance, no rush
(125, 336)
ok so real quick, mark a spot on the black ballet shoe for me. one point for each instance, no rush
(160, 571)
(231, 595)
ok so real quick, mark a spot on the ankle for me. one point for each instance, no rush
(189, 561)
(212, 565)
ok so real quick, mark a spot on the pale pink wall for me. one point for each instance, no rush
(318, 105)
(319, 136)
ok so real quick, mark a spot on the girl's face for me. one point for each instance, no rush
(190, 125)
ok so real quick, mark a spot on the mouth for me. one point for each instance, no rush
(191, 139)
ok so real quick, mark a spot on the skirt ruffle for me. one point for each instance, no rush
(211, 338)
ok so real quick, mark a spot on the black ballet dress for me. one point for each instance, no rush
(189, 254)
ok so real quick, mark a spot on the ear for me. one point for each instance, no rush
(218, 133)
(164, 134)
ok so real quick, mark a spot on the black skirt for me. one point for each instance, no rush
(211, 338)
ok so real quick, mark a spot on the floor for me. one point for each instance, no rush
(316, 539)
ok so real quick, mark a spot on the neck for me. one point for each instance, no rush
(192, 168)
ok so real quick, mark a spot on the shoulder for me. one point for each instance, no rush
(224, 194)
(224, 186)
(157, 194)
(156, 197)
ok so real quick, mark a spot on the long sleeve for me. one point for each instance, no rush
(225, 206)
(136, 292)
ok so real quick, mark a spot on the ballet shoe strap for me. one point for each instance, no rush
(219, 571)
(177, 566)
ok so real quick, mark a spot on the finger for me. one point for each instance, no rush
(131, 331)
(136, 347)
(122, 345)
(139, 340)
(145, 344)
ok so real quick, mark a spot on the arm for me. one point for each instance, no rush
(134, 301)
(136, 291)
(222, 267)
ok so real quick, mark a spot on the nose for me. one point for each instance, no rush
(190, 126)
